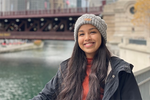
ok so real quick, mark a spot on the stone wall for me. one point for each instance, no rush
(138, 55)
(118, 17)
(109, 17)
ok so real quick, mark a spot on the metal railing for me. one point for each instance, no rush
(52, 11)
(143, 80)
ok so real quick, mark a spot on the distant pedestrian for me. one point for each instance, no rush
(92, 72)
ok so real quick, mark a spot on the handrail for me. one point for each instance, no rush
(144, 81)
(142, 71)
(53, 11)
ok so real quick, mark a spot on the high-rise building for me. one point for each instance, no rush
(57, 4)
(20, 5)
(89, 3)
(13, 5)
(38, 4)
(79, 3)
(9, 5)
(1, 5)
(94, 3)
(71, 3)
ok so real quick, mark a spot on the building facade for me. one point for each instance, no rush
(57, 4)
(95, 3)
(8, 5)
(118, 17)
(72, 3)
(79, 3)
(133, 41)
(110, 1)
(21, 5)
(38, 4)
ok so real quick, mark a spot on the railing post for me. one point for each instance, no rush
(0, 13)
(26, 12)
(58, 10)
(13, 13)
(104, 2)
(86, 10)
(100, 8)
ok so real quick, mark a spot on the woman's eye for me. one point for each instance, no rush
(81, 34)
(93, 32)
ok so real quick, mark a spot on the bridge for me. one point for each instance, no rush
(57, 24)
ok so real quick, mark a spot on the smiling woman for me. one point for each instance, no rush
(92, 72)
(89, 39)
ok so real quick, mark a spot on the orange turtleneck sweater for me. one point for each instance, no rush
(85, 83)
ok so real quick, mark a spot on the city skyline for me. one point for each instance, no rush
(20, 5)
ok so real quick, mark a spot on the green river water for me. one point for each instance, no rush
(24, 74)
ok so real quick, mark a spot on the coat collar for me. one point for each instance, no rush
(117, 63)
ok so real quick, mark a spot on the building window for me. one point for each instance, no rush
(132, 10)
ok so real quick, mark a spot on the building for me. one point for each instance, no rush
(57, 4)
(79, 3)
(118, 16)
(1, 6)
(110, 1)
(8, 5)
(72, 3)
(95, 3)
(132, 42)
(21, 5)
(12, 5)
(89, 3)
(37, 4)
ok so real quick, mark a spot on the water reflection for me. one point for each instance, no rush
(23, 74)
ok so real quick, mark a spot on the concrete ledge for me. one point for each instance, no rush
(14, 48)
(134, 47)
(142, 71)
(138, 55)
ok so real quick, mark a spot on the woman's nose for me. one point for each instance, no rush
(87, 37)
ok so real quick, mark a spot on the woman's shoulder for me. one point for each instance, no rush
(64, 64)
(120, 64)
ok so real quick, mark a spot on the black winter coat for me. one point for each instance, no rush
(120, 83)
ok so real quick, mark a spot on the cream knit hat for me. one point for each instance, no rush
(93, 20)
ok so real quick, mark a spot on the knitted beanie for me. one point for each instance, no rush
(93, 20)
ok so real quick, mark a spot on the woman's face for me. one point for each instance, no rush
(89, 39)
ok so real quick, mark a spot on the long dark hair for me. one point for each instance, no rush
(76, 72)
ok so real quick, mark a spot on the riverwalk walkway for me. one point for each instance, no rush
(14, 48)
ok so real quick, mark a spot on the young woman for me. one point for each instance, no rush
(91, 73)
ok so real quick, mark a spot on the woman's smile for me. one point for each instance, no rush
(88, 45)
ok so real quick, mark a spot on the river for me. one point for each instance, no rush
(24, 74)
